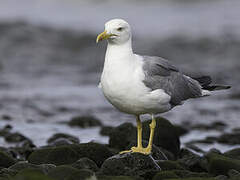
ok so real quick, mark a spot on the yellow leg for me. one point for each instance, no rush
(139, 147)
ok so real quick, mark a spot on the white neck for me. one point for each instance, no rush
(119, 51)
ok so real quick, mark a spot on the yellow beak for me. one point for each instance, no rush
(103, 36)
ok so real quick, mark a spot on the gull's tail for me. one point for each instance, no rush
(205, 82)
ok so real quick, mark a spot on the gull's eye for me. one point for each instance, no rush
(120, 28)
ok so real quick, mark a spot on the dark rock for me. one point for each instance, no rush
(85, 163)
(61, 136)
(233, 173)
(230, 138)
(84, 121)
(5, 130)
(189, 174)
(165, 135)
(106, 130)
(6, 117)
(130, 164)
(6, 174)
(60, 142)
(193, 147)
(44, 168)
(170, 165)
(217, 125)
(221, 177)
(31, 174)
(180, 130)
(157, 152)
(122, 136)
(234, 153)
(102, 177)
(192, 161)
(69, 154)
(165, 175)
(219, 164)
(6, 160)
(15, 137)
(69, 173)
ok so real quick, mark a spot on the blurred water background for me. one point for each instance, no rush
(50, 65)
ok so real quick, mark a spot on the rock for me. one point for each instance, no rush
(118, 178)
(157, 152)
(106, 130)
(69, 173)
(62, 155)
(189, 174)
(5, 130)
(165, 135)
(6, 174)
(6, 160)
(217, 125)
(219, 164)
(221, 177)
(230, 138)
(122, 136)
(180, 130)
(60, 142)
(85, 163)
(84, 121)
(233, 173)
(130, 164)
(165, 175)
(6, 117)
(169, 165)
(44, 168)
(31, 174)
(15, 137)
(192, 161)
(62, 136)
(234, 153)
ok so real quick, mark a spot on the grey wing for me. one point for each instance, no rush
(161, 74)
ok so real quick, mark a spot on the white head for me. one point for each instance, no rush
(117, 31)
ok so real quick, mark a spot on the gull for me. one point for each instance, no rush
(138, 85)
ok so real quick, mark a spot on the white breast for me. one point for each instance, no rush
(122, 84)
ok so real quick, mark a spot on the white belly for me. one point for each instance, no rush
(124, 89)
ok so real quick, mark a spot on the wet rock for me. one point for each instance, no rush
(6, 174)
(189, 174)
(60, 142)
(31, 174)
(15, 137)
(230, 138)
(6, 117)
(233, 173)
(165, 135)
(6, 160)
(54, 139)
(69, 173)
(217, 125)
(170, 165)
(85, 163)
(221, 177)
(130, 164)
(21, 165)
(192, 161)
(193, 147)
(118, 178)
(157, 152)
(122, 136)
(219, 164)
(180, 130)
(165, 175)
(84, 121)
(5, 130)
(106, 130)
(69, 154)
(234, 153)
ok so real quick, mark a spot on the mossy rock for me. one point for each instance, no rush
(85, 163)
(165, 136)
(68, 154)
(6, 160)
(169, 165)
(31, 174)
(7, 173)
(165, 175)
(84, 121)
(189, 174)
(118, 178)
(219, 164)
(192, 178)
(234, 153)
(69, 173)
